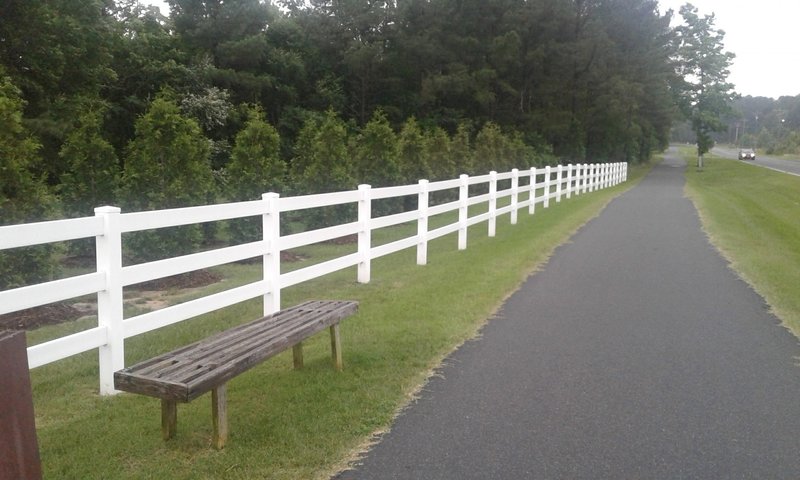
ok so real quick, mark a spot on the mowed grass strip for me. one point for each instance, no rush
(752, 215)
(288, 424)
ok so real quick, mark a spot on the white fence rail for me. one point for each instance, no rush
(110, 277)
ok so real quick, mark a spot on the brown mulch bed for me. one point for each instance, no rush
(39, 316)
(60, 312)
(346, 240)
(195, 279)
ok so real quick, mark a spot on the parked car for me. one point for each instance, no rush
(747, 154)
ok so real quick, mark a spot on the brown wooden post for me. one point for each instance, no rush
(19, 450)
(219, 415)
(169, 418)
(336, 347)
(297, 355)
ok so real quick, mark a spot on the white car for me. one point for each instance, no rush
(747, 154)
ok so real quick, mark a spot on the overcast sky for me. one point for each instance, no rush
(764, 35)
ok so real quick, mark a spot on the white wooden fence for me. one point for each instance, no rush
(110, 277)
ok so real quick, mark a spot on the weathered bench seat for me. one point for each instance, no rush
(188, 372)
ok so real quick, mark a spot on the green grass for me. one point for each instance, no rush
(752, 215)
(307, 423)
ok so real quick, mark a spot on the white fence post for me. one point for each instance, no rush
(514, 195)
(532, 194)
(422, 223)
(584, 177)
(547, 186)
(625, 172)
(559, 180)
(463, 211)
(604, 181)
(569, 181)
(492, 203)
(593, 177)
(587, 177)
(109, 301)
(271, 230)
(599, 182)
(364, 233)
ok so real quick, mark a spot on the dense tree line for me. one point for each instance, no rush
(112, 102)
(769, 125)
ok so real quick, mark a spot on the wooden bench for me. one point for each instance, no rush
(186, 373)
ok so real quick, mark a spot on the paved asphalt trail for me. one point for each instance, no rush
(635, 354)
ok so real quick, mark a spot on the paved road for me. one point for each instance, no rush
(635, 354)
(785, 165)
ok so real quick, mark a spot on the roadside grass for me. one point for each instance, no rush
(752, 215)
(288, 424)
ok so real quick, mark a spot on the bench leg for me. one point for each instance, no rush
(219, 415)
(297, 353)
(336, 347)
(169, 418)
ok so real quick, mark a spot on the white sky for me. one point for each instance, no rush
(765, 37)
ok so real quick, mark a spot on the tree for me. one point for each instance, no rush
(146, 58)
(439, 154)
(23, 196)
(322, 164)
(167, 166)
(255, 168)
(461, 151)
(491, 149)
(93, 175)
(376, 153)
(57, 53)
(412, 160)
(703, 91)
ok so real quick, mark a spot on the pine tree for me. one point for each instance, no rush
(23, 196)
(439, 155)
(376, 160)
(461, 151)
(322, 160)
(491, 149)
(255, 168)
(167, 166)
(412, 161)
(93, 176)
(376, 153)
